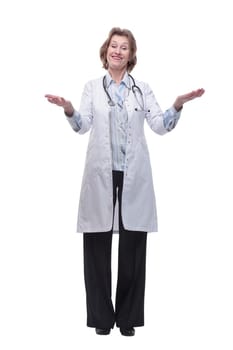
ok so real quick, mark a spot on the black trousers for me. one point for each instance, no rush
(129, 304)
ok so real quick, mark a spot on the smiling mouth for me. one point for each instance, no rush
(116, 58)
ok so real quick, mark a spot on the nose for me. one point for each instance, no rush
(117, 50)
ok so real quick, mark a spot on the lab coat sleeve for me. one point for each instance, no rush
(75, 121)
(81, 121)
(171, 117)
(159, 122)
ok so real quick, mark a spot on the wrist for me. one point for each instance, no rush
(69, 110)
(177, 106)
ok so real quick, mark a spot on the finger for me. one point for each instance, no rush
(195, 93)
(50, 96)
(55, 99)
(52, 99)
(199, 92)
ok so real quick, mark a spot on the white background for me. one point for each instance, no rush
(53, 47)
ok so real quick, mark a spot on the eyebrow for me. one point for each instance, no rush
(115, 42)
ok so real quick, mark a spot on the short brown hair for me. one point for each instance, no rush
(132, 43)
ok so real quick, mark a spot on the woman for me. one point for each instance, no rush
(117, 191)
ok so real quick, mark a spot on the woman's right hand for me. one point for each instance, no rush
(60, 101)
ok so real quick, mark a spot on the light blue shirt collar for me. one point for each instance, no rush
(125, 80)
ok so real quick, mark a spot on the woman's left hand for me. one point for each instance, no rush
(180, 100)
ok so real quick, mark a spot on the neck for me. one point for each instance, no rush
(116, 75)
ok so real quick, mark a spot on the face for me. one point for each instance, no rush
(118, 52)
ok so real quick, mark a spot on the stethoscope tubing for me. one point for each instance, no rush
(135, 88)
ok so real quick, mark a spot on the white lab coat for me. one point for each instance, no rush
(95, 212)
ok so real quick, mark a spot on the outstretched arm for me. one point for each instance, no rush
(60, 101)
(180, 100)
(80, 121)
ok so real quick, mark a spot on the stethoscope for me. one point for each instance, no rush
(136, 91)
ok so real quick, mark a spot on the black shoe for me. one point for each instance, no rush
(129, 332)
(102, 331)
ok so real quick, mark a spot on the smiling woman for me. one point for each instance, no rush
(118, 53)
(118, 170)
(120, 44)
